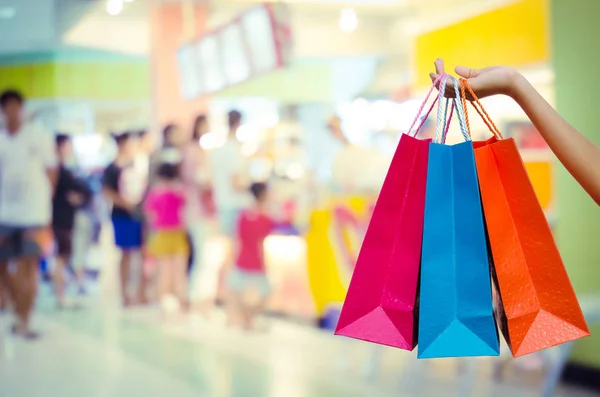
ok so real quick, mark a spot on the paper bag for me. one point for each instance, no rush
(539, 308)
(456, 311)
(380, 306)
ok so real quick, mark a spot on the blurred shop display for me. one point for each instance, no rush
(526, 136)
(333, 241)
(254, 43)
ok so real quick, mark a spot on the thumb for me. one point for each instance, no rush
(466, 72)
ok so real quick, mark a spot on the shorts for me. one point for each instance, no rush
(240, 280)
(128, 232)
(18, 241)
(168, 243)
(64, 241)
(228, 219)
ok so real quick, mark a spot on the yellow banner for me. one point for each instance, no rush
(515, 35)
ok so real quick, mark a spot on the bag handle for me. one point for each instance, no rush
(464, 85)
(447, 121)
(442, 123)
(460, 113)
(435, 83)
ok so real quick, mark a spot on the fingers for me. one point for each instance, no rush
(439, 66)
(448, 88)
(466, 72)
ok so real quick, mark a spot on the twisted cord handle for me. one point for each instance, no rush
(435, 83)
(440, 125)
(461, 112)
(464, 85)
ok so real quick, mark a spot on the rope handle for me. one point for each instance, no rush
(442, 121)
(464, 85)
(435, 83)
(448, 120)
(460, 113)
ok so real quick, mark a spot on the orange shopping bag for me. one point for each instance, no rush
(538, 306)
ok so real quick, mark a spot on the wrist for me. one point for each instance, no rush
(518, 84)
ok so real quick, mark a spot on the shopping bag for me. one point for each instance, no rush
(456, 311)
(380, 305)
(538, 306)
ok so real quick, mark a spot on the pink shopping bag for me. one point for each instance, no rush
(380, 306)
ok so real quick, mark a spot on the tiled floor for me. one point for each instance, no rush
(108, 353)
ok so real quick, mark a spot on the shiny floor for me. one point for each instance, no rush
(102, 351)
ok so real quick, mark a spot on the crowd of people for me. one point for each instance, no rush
(162, 202)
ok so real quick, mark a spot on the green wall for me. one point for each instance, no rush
(576, 57)
(77, 74)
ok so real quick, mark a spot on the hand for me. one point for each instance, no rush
(485, 82)
(75, 199)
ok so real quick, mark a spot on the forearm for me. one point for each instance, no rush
(116, 198)
(52, 174)
(577, 153)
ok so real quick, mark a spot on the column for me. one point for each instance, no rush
(171, 25)
(576, 60)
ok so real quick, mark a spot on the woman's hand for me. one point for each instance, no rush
(75, 199)
(485, 82)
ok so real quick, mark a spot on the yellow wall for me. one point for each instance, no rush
(513, 35)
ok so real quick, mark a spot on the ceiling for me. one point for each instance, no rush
(37, 25)
(385, 29)
(42, 25)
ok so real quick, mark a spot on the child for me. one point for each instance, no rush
(167, 241)
(125, 186)
(71, 193)
(254, 225)
(576, 152)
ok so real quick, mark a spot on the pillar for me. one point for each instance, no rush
(171, 25)
(576, 59)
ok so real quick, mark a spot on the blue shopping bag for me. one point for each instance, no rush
(456, 312)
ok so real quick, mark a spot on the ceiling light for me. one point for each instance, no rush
(114, 7)
(7, 12)
(348, 20)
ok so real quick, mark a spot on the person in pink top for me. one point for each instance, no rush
(164, 208)
(253, 226)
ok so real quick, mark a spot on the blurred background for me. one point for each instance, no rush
(326, 88)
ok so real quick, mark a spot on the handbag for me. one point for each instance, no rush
(381, 303)
(538, 307)
(456, 316)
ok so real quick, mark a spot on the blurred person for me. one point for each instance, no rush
(71, 193)
(172, 138)
(86, 227)
(355, 168)
(229, 177)
(125, 188)
(249, 273)
(575, 151)
(27, 180)
(144, 151)
(4, 296)
(145, 148)
(167, 242)
(230, 187)
(195, 175)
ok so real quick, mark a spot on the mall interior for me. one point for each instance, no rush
(324, 97)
